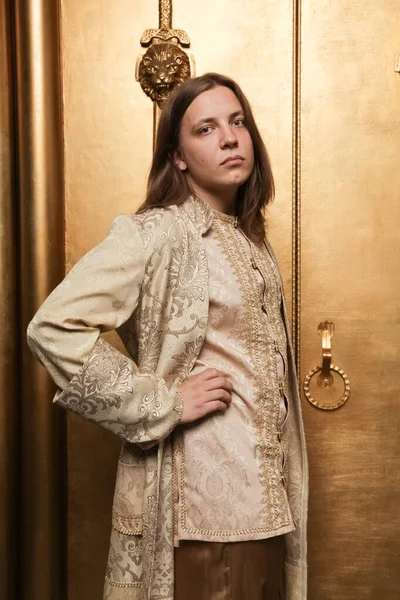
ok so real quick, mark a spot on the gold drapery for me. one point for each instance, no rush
(32, 263)
(8, 325)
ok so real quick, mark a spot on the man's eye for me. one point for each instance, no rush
(238, 122)
(205, 130)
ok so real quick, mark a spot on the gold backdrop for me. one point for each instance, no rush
(321, 80)
(350, 148)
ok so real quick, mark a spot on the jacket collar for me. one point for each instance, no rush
(202, 214)
(199, 212)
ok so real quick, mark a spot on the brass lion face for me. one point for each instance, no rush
(162, 69)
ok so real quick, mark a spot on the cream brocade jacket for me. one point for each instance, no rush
(149, 280)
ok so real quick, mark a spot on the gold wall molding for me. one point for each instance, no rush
(42, 563)
(296, 182)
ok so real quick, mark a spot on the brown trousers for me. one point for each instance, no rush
(230, 571)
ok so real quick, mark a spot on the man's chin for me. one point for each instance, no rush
(237, 180)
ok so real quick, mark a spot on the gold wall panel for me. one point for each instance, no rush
(252, 42)
(108, 147)
(350, 143)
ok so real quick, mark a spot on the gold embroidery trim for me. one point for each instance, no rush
(138, 531)
(260, 348)
(260, 351)
(119, 584)
(218, 532)
(224, 218)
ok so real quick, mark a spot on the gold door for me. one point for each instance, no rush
(350, 252)
(322, 80)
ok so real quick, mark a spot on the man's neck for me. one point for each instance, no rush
(223, 202)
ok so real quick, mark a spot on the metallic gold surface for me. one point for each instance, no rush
(165, 13)
(326, 330)
(8, 317)
(156, 119)
(40, 183)
(397, 62)
(296, 180)
(253, 44)
(165, 65)
(108, 133)
(165, 32)
(350, 211)
(325, 378)
(161, 69)
(337, 403)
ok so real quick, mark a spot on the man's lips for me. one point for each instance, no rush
(236, 158)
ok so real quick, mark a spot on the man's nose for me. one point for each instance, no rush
(228, 137)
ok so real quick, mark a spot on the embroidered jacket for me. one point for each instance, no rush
(148, 280)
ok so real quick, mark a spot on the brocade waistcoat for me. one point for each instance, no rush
(230, 467)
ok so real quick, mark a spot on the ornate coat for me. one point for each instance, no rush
(148, 280)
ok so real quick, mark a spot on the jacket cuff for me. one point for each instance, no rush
(110, 390)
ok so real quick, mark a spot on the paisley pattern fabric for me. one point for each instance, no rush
(148, 280)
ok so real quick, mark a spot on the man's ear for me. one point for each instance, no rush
(179, 160)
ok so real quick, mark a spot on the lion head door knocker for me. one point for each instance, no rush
(165, 65)
(161, 69)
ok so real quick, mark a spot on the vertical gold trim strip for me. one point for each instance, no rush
(8, 317)
(296, 183)
(156, 120)
(40, 181)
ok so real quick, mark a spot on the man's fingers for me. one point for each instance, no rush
(205, 393)
(209, 374)
(215, 379)
(210, 407)
(219, 394)
(218, 382)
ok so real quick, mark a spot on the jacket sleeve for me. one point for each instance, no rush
(96, 380)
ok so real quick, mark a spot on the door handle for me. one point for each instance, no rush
(325, 378)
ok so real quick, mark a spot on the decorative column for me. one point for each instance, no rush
(41, 438)
(9, 369)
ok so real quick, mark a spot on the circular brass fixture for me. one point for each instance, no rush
(332, 405)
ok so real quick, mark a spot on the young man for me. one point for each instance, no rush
(211, 490)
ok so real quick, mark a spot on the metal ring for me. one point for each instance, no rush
(333, 405)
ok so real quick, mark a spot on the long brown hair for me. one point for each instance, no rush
(168, 185)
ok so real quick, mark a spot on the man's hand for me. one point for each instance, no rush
(205, 393)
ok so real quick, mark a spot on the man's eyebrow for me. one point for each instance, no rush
(214, 120)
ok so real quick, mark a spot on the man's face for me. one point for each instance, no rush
(215, 146)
